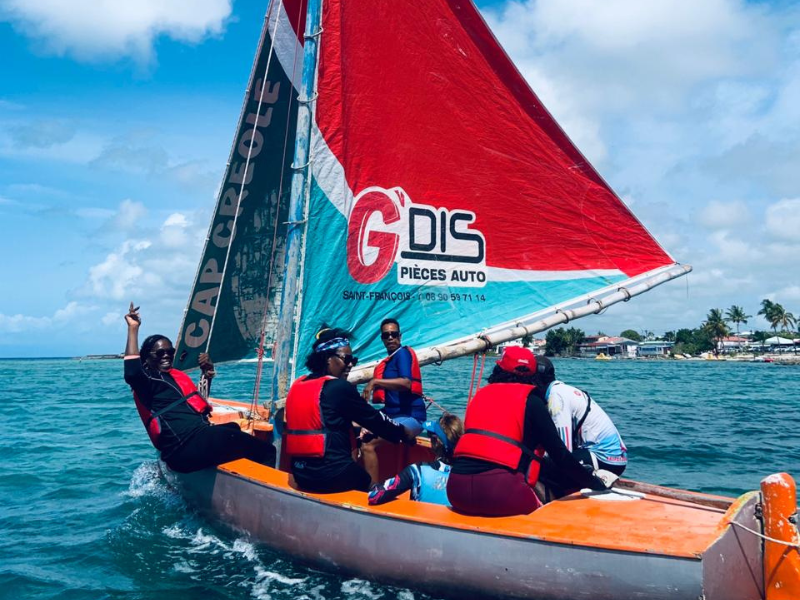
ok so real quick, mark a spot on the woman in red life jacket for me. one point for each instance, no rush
(175, 415)
(397, 383)
(320, 410)
(507, 430)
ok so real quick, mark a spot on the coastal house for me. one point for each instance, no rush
(608, 345)
(655, 348)
(732, 343)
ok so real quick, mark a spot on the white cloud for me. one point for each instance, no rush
(783, 219)
(102, 30)
(119, 276)
(62, 318)
(724, 215)
(174, 231)
(129, 214)
(111, 318)
(159, 267)
(42, 133)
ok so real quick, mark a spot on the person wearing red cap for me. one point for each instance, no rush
(507, 430)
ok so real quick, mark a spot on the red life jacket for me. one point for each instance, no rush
(494, 428)
(379, 394)
(305, 434)
(152, 419)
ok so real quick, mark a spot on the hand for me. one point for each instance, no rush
(366, 393)
(607, 477)
(204, 360)
(132, 318)
(411, 438)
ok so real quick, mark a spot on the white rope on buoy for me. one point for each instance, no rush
(766, 537)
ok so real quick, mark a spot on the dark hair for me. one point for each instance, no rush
(545, 372)
(317, 361)
(500, 376)
(390, 321)
(149, 342)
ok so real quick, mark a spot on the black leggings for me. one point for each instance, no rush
(560, 484)
(218, 444)
(354, 477)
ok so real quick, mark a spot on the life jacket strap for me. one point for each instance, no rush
(499, 436)
(578, 426)
(304, 431)
(157, 414)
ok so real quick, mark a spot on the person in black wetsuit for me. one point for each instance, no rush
(320, 410)
(187, 441)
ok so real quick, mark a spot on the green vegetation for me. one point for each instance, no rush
(563, 342)
(776, 316)
(631, 334)
(736, 315)
(716, 327)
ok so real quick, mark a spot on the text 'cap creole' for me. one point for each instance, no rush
(517, 359)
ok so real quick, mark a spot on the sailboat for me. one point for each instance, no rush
(391, 161)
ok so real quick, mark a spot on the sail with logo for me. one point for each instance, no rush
(391, 161)
(442, 192)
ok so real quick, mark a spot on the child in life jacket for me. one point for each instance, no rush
(427, 481)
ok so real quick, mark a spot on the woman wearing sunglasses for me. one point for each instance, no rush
(174, 413)
(320, 410)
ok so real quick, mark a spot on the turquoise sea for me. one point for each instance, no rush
(83, 513)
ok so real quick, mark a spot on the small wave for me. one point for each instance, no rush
(146, 481)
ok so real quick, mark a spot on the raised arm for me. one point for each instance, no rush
(134, 321)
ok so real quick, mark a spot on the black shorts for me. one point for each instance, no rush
(354, 477)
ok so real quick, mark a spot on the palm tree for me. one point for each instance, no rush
(783, 318)
(735, 314)
(768, 311)
(716, 327)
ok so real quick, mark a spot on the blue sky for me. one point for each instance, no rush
(116, 122)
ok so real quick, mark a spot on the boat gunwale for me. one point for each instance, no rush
(230, 470)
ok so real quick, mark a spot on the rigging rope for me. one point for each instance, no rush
(246, 167)
(473, 382)
(794, 545)
(271, 271)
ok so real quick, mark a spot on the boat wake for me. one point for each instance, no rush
(163, 534)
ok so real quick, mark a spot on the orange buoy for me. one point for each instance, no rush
(782, 550)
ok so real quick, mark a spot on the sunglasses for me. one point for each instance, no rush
(162, 352)
(347, 359)
(388, 335)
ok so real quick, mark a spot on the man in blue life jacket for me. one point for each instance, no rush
(397, 383)
(585, 428)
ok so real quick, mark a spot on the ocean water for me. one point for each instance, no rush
(84, 514)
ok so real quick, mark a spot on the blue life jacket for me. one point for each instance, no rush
(432, 485)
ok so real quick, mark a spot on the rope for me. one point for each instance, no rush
(794, 545)
(246, 167)
(271, 270)
(472, 379)
(433, 402)
(480, 375)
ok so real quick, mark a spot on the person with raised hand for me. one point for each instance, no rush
(174, 413)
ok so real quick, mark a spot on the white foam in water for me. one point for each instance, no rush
(145, 481)
(360, 587)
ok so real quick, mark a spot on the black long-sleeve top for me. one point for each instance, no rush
(539, 430)
(340, 406)
(157, 390)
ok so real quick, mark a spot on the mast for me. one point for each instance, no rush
(300, 188)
